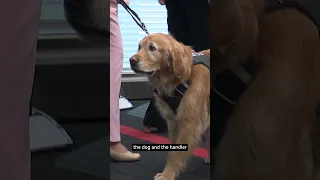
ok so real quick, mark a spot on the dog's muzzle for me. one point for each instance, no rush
(135, 67)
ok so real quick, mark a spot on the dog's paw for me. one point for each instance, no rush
(207, 160)
(160, 176)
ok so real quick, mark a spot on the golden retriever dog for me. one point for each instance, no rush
(272, 133)
(169, 63)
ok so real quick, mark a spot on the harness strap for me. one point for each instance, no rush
(199, 58)
(242, 74)
(205, 60)
(182, 88)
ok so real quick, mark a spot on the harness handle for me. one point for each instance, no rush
(134, 16)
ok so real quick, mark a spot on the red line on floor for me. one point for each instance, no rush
(155, 139)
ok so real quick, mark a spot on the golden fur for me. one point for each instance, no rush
(273, 132)
(169, 63)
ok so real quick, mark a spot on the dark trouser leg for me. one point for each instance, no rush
(18, 34)
(189, 22)
(153, 118)
(178, 22)
(198, 14)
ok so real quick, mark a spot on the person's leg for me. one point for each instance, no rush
(178, 25)
(116, 62)
(197, 14)
(117, 150)
(153, 119)
(18, 33)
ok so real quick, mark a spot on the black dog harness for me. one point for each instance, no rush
(174, 100)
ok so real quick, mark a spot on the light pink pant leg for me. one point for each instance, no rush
(19, 21)
(116, 63)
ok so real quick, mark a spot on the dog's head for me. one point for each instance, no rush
(160, 55)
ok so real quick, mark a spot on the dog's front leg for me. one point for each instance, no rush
(169, 116)
(172, 130)
(189, 133)
(173, 133)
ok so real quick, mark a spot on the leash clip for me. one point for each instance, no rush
(144, 28)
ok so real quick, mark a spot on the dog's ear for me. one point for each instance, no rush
(226, 22)
(181, 60)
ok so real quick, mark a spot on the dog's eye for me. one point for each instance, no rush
(151, 48)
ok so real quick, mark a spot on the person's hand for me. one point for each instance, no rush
(161, 2)
(127, 1)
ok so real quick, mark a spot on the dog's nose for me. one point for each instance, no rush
(133, 60)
